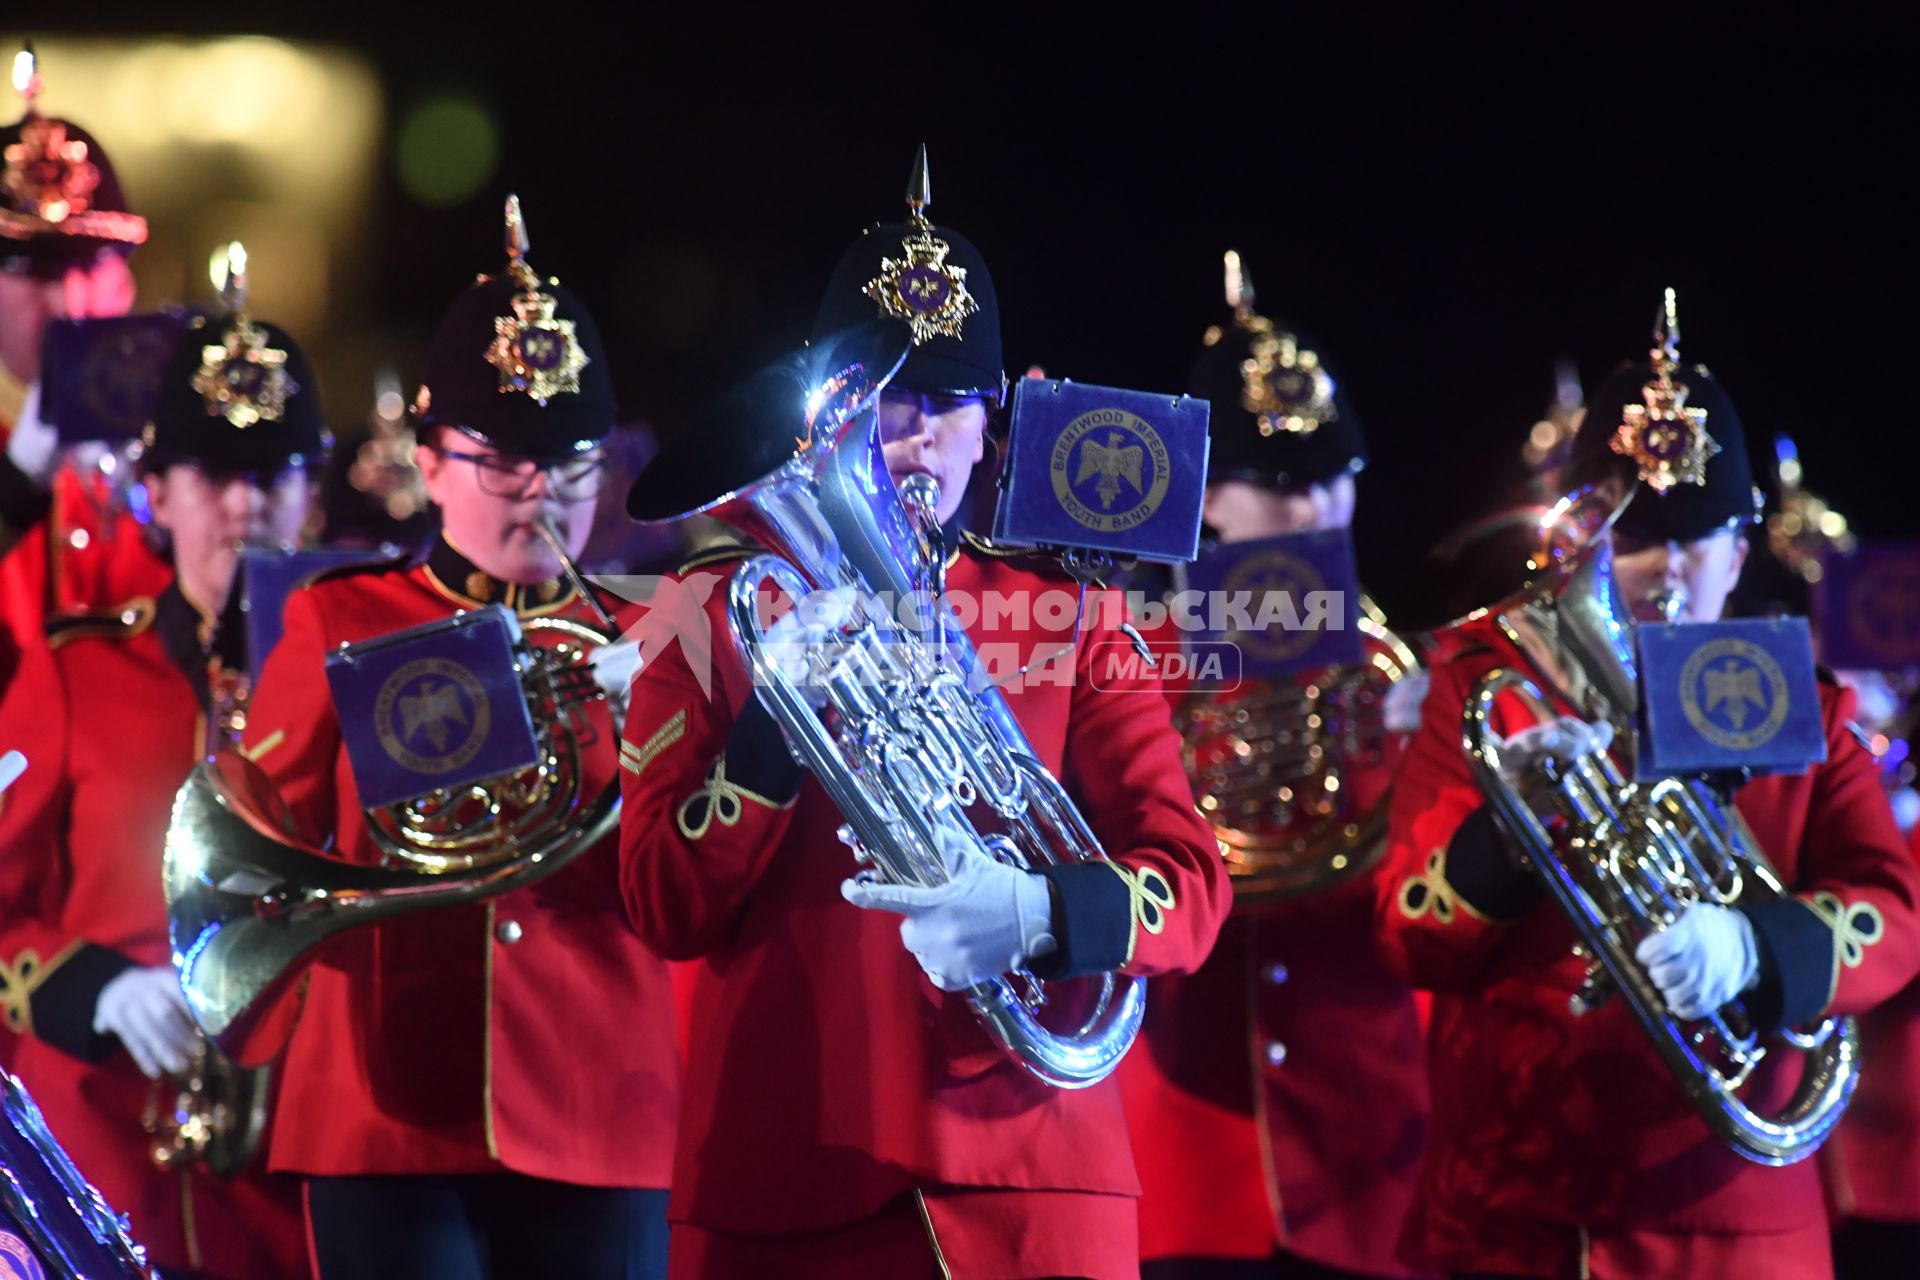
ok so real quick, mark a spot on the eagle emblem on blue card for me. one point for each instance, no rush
(1103, 469)
(434, 707)
(101, 377)
(17, 1259)
(1290, 603)
(1720, 697)
(1867, 605)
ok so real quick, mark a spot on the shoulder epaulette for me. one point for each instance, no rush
(337, 572)
(719, 553)
(1037, 558)
(121, 622)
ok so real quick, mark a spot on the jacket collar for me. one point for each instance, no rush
(455, 576)
(205, 647)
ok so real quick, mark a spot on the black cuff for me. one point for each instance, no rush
(1482, 872)
(1092, 921)
(23, 504)
(62, 1005)
(757, 755)
(1796, 964)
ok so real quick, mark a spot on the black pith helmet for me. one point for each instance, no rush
(934, 281)
(517, 362)
(1280, 417)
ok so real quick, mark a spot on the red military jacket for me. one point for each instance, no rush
(1873, 1159)
(1280, 1097)
(110, 734)
(63, 551)
(533, 1032)
(826, 1074)
(1549, 1127)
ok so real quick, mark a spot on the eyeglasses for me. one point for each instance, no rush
(501, 476)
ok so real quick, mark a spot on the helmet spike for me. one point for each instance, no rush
(919, 187)
(228, 270)
(517, 245)
(1239, 285)
(1666, 331)
(26, 74)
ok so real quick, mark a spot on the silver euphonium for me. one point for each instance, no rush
(1637, 854)
(916, 740)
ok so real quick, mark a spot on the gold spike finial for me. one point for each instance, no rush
(1666, 332)
(919, 187)
(1239, 285)
(517, 243)
(227, 268)
(26, 74)
(517, 246)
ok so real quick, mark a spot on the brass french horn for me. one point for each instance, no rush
(215, 1112)
(249, 903)
(1268, 762)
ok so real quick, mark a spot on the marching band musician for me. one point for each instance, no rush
(1562, 1145)
(1278, 1103)
(65, 233)
(128, 708)
(490, 1088)
(1872, 1162)
(846, 1114)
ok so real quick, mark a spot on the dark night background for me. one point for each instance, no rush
(1445, 205)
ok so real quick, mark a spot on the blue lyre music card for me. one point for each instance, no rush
(101, 377)
(268, 575)
(433, 707)
(1102, 469)
(1290, 603)
(1867, 607)
(1717, 697)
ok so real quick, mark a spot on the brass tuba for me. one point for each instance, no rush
(1637, 854)
(248, 904)
(916, 740)
(1267, 761)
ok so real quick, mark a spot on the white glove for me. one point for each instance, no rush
(1404, 700)
(802, 631)
(33, 446)
(148, 1011)
(1879, 702)
(1702, 960)
(12, 765)
(1560, 739)
(613, 666)
(987, 919)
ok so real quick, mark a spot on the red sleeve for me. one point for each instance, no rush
(292, 732)
(707, 788)
(50, 975)
(1849, 938)
(1446, 887)
(1158, 902)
